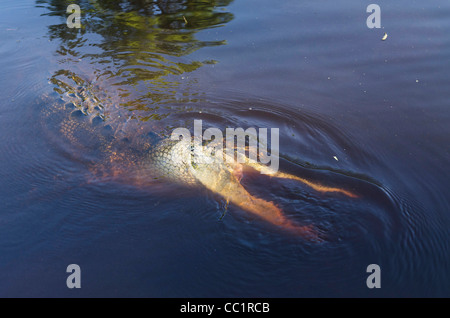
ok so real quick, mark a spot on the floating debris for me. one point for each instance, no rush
(185, 21)
(384, 37)
(335, 158)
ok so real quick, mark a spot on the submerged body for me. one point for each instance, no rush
(140, 155)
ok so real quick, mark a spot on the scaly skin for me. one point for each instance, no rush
(175, 161)
(172, 160)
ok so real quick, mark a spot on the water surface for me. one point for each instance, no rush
(353, 111)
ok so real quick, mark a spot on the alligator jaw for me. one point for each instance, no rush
(223, 178)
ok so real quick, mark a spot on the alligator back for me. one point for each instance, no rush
(94, 128)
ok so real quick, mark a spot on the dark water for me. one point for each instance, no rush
(315, 71)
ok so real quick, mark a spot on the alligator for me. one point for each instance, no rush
(83, 119)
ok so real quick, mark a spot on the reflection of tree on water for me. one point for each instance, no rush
(137, 45)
